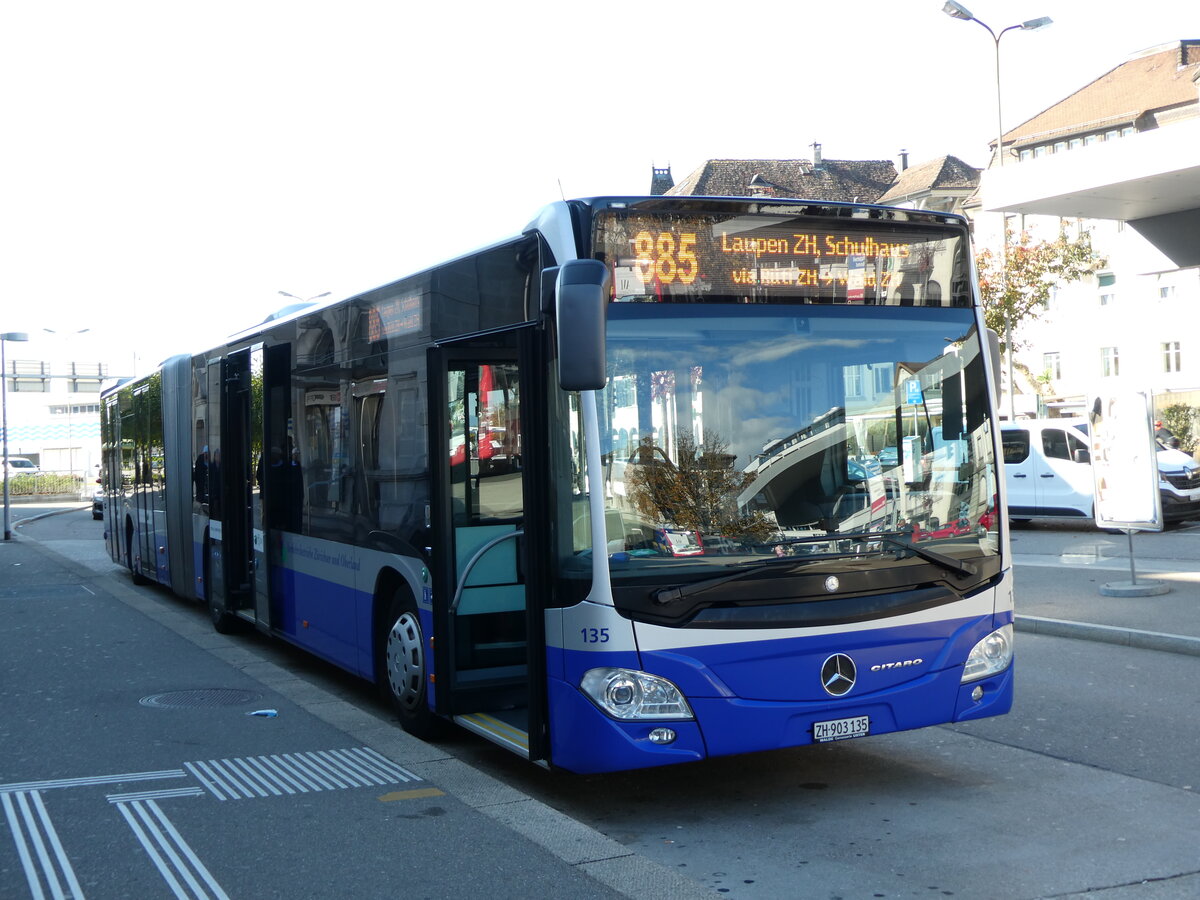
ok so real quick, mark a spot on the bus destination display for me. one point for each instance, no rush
(682, 259)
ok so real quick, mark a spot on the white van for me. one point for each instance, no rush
(1048, 477)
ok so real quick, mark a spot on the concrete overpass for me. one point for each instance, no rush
(1151, 180)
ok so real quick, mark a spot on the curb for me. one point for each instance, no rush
(1110, 634)
(83, 504)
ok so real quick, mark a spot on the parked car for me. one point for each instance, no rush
(98, 504)
(1048, 473)
(19, 465)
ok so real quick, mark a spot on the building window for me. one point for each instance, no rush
(1166, 292)
(1052, 365)
(1074, 143)
(853, 379)
(1109, 364)
(1091, 139)
(1108, 299)
(1128, 130)
(1060, 146)
(1025, 155)
(1172, 358)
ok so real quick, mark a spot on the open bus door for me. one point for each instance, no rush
(238, 573)
(488, 522)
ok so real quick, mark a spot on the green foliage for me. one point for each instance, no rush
(44, 483)
(1015, 286)
(1180, 420)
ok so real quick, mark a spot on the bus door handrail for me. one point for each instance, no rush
(466, 572)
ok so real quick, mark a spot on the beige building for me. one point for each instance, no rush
(1119, 156)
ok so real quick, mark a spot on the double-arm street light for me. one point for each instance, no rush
(7, 336)
(957, 11)
(305, 299)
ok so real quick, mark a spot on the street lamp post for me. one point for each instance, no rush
(7, 336)
(957, 11)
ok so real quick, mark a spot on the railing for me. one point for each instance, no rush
(49, 484)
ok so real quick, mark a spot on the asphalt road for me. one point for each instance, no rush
(1088, 786)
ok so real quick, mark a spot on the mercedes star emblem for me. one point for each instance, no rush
(838, 674)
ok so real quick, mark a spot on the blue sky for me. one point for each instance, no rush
(172, 166)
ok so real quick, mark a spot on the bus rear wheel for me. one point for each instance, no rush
(402, 666)
(130, 560)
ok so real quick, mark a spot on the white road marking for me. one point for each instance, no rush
(155, 832)
(324, 770)
(48, 870)
(36, 822)
(87, 782)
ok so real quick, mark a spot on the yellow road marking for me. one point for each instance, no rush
(415, 794)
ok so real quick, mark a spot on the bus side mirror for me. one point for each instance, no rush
(993, 340)
(581, 298)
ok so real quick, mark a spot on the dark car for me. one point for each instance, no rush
(98, 505)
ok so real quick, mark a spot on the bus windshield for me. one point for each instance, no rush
(730, 432)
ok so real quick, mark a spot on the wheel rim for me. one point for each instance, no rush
(406, 661)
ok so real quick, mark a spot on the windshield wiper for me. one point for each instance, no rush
(682, 592)
(949, 563)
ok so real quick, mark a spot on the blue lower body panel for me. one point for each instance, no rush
(767, 694)
(586, 741)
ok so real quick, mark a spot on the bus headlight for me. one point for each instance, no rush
(628, 694)
(990, 656)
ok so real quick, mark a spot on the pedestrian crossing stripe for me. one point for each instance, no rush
(249, 777)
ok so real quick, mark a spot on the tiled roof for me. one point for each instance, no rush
(864, 181)
(948, 173)
(1156, 80)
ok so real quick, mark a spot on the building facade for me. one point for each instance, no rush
(1119, 158)
(53, 406)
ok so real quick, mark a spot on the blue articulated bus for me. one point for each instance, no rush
(660, 479)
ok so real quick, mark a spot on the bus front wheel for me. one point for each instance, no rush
(403, 666)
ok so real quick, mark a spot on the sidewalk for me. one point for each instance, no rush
(38, 580)
(1061, 595)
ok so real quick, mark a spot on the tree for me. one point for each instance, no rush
(1180, 420)
(698, 492)
(1015, 286)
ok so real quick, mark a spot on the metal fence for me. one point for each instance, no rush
(50, 485)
